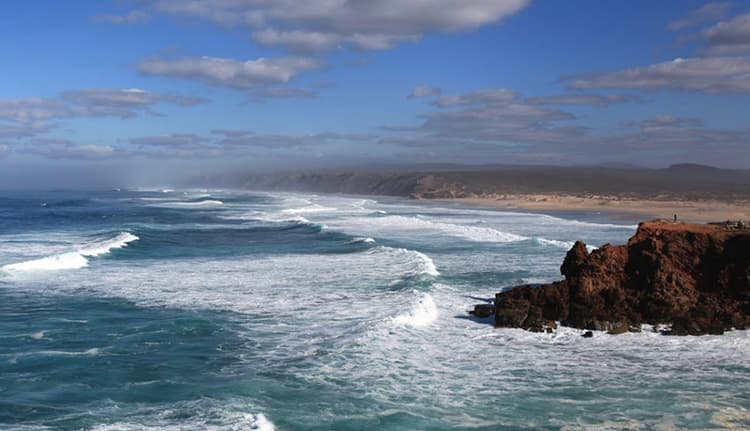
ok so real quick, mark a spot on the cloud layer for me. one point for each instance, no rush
(726, 75)
(241, 75)
(319, 25)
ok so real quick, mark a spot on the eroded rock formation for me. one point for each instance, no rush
(695, 278)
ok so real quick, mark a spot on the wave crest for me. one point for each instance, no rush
(73, 259)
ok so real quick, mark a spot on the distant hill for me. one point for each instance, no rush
(679, 181)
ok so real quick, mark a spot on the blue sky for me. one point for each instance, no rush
(152, 86)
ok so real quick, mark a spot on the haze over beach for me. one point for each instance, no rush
(385, 214)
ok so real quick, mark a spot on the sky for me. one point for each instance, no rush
(138, 91)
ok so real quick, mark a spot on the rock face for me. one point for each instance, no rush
(695, 278)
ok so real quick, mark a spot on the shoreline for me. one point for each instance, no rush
(632, 209)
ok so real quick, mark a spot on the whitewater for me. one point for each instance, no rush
(173, 309)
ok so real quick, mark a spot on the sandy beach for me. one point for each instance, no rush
(701, 211)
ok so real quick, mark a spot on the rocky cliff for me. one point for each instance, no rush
(695, 278)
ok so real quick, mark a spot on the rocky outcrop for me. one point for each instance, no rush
(695, 278)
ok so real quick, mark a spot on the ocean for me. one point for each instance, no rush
(237, 310)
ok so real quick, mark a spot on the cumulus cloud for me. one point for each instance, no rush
(32, 109)
(421, 91)
(29, 117)
(319, 25)
(225, 72)
(297, 41)
(93, 102)
(707, 12)
(706, 75)
(729, 37)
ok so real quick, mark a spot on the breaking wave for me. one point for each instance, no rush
(423, 313)
(197, 204)
(73, 259)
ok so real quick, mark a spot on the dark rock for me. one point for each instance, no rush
(574, 260)
(695, 278)
(483, 310)
(588, 334)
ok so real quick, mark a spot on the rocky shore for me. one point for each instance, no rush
(692, 278)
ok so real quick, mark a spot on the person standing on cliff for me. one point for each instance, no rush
(675, 218)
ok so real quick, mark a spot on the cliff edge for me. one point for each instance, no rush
(692, 277)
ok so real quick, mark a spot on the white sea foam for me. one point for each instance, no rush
(74, 259)
(37, 335)
(367, 240)
(260, 422)
(554, 242)
(423, 313)
(70, 260)
(308, 209)
(215, 419)
(88, 352)
(282, 219)
(473, 233)
(202, 203)
(562, 244)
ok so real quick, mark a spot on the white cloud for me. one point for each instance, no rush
(317, 25)
(94, 102)
(706, 75)
(231, 73)
(28, 117)
(91, 102)
(32, 109)
(296, 40)
(707, 12)
(729, 37)
(64, 149)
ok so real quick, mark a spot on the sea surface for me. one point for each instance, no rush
(227, 310)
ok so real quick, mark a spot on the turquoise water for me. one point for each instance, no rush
(182, 310)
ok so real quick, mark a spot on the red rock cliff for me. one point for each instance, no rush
(694, 277)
